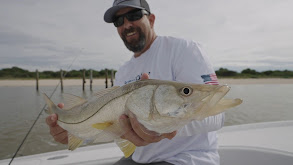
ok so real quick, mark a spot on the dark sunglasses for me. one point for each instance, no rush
(133, 15)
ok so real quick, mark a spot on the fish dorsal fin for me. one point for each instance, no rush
(105, 91)
(73, 142)
(71, 101)
(125, 146)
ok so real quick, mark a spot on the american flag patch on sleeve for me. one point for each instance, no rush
(210, 79)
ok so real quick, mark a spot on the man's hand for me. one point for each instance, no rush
(59, 134)
(137, 133)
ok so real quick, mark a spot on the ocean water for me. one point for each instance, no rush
(20, 107)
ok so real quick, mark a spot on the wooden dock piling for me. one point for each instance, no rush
(83, 80)
(61, 79)
(91, 80)
(37, 80)
(112, 78)
(106, 78)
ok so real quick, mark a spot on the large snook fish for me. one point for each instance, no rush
(160, 106)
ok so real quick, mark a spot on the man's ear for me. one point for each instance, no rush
(152, 19)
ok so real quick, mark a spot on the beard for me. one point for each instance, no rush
(134, 45)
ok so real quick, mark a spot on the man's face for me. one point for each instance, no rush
(135, 34)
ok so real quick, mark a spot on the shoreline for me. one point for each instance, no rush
(78, 82)
(247, 81)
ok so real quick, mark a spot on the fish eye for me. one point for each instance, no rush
(186, 91)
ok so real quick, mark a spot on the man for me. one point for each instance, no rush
(165, 58)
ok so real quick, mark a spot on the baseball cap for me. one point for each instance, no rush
(119, 4)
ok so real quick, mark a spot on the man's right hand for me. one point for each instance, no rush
(60, 135)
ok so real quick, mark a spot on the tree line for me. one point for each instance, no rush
(15, 72)
(251, 73)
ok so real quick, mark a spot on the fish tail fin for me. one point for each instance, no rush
(51, 106)
(73, 142)
(126, 147)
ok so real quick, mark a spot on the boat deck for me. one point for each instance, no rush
(261, 144)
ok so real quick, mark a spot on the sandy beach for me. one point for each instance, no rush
(52, 82)
(257, 81)
(78, 82)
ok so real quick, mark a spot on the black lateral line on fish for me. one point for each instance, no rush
(139, 84)
(92, 114)
(129, 88)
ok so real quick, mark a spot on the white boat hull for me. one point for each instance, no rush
(250, 144)
(259, 144)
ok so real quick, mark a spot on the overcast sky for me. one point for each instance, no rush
(236, 34)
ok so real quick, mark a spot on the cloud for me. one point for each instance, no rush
(49, 34)
(15, 38)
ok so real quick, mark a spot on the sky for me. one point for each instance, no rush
(71, 34)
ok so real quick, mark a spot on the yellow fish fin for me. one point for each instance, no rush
(126, 147)
(73, 142)
(102, 126)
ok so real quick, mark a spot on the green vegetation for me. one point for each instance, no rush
(250, 73)
(18, 73)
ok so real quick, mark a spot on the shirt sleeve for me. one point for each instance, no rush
(192, 65)
(120, 76)
(117, 80)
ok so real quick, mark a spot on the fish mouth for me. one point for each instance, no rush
(214, 97)
(202, 109)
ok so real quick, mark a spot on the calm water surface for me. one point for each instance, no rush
(20, 107)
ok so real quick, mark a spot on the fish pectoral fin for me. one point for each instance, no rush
(102, 126)
(73, 142)
(224, 104)
(126, 147)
